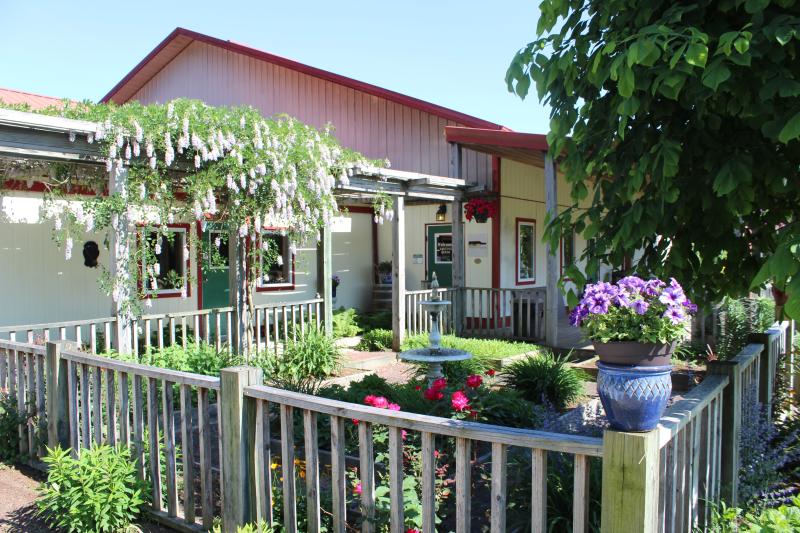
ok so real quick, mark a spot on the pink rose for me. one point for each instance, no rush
(459, 400)
(433, 394)
(474, 381)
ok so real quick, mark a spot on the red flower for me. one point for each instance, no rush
(418, 387)
(433, 394)
(376, 401)
(459, 400)
(355, 421)
(369, 399)
(491, 372)
(439, 384)
(412, 530)
(479, 206)
(474, 381)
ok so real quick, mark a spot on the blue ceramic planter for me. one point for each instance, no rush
(634, 397)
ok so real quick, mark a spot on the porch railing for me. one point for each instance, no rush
(274, 325)
(497, 313)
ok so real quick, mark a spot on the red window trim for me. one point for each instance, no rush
(283, 287)
(516, 251)
(173, 293)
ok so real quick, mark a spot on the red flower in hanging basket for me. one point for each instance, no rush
(479, 209)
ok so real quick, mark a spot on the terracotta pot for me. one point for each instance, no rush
(634, 353)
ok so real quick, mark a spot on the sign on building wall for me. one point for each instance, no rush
(443, 248)
(478, 245)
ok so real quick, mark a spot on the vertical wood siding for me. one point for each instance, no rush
(411, 139)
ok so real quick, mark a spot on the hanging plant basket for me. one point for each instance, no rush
(480, 210)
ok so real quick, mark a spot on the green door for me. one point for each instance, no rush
(215, 281)
(439, 242)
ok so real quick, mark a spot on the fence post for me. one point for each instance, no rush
(237, 419)
(731, 428)
(768, 364)
(57, 396)
(630, 482)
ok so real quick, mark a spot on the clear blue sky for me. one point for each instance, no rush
(453, 53)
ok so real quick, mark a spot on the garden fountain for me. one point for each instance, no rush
(434, 355)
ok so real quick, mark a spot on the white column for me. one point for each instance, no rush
(324, 277)
(119, 264)
(459, 267)
(398, 273)
(553, 272)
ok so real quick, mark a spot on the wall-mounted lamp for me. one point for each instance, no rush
(440, 214)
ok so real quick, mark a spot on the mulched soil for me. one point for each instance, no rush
(18, 503)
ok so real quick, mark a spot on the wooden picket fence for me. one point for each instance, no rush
(218, 438)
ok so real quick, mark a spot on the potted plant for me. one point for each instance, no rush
(385, 272)
(635, 325)
(479, 209)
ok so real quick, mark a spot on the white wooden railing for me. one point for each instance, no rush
(418, 320)
(95, 333)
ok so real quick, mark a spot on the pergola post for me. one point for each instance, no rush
(237, 278)
(325, 277)
(120, 252)
(459, 273)
(399, 273)
(553, 297)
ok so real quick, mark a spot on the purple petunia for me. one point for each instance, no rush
(640, 306)
(672, 296)
(631, 284)
(690, 306)
(675, 314)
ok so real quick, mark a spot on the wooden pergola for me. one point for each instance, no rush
(36, 137)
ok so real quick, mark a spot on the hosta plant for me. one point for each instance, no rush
(634, 309)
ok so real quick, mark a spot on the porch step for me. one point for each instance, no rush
(381, 296)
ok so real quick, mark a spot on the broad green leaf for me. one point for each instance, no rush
(724, 182)
(626, 82)
(697, 54)
(741, 44)
(716, 74)
(754, 6)
(791, 130)
(523, 84)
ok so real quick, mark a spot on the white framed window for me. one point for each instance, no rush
(166, 273)
(275, 262)
(526, 251)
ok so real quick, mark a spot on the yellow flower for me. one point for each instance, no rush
(273, 466)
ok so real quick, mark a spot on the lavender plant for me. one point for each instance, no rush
(634, 310)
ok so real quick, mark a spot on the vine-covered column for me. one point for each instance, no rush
(121, 266)
(237, 272)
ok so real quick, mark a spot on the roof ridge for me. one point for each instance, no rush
(369, 88)
(34, 94)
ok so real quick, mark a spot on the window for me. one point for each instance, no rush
(167, 264)
(216, 250)
(567, 251)
(275, 262)
(526, 251)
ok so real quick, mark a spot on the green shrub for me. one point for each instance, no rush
(738, 318)
(344, 323)
(303, 362)
(376, 340)
(10, 419)
(545, 378)
(381, 319)
(98, 491)
(726, 519)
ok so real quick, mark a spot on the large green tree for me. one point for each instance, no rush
(681, 121)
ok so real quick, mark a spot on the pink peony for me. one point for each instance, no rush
(474, 381)
(433, 394)
(369, 399)
(393, 407)
(460, 401)
(439, 384)
(380, 402)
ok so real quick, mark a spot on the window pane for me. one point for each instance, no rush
(169, 257)
(276, 260)
(526, 251)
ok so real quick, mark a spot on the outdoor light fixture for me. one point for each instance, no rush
(441, 213)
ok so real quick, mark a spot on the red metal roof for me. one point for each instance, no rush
(180, 38)
(35, 101)
(524, 147)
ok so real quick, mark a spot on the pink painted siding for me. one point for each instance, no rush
(411, 139)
